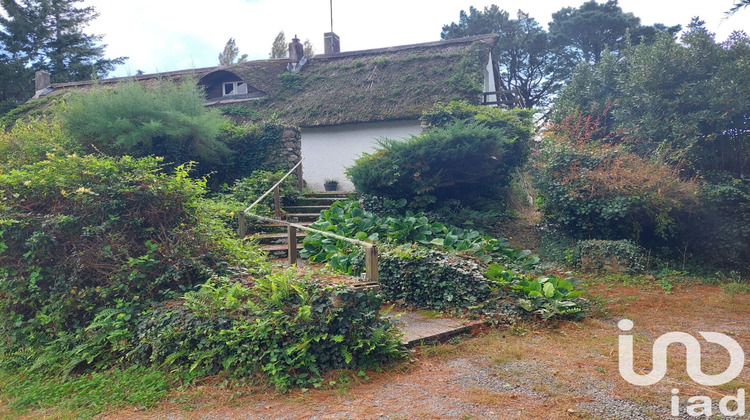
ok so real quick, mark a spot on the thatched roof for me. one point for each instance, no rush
(383, 84)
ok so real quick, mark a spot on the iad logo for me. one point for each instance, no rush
(693, 367)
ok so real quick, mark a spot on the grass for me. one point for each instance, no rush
(82, 396)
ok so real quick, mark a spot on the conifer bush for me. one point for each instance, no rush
(467, 154)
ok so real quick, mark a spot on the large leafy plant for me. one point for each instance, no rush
(548, 296)
(350, 220)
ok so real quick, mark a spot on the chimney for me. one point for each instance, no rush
(296, 55)
(331, 43)
(296, 50)
(41, 79)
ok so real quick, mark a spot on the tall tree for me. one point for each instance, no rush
(47, 35)
(279, 49)
(527, 58)
(593, 28)
(231, 54)
(72, 55)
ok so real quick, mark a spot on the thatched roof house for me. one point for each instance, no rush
(342, 100)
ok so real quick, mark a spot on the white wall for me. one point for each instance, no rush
(329, 150)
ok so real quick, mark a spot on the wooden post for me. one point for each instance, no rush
(241, 229)
(292, 239)
(371, 263)
(300, 181)
(277, 201)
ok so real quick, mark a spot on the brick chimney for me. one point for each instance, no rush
(331, 43)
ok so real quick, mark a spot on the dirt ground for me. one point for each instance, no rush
(566, 370)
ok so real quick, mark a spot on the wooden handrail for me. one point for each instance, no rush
(275, 186)
(371, 250)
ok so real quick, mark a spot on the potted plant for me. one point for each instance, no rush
(331, 184)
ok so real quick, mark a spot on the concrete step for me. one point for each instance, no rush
(419, 329)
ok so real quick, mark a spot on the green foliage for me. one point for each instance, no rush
(594, 28)
(430, 279)
(47, 35)
(591, 187)
(734, 289)
(468, 155)
(85, 242)
(246, 190)
(348, 219)
(291, 330)
(528, 58)
(618, 256)
(163, 119)
(253, 149)
(548, 296)
(169, 120)
(684, 103)
(32, 141)
(85, 395)
(291, 82)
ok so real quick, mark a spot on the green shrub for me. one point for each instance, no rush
(290, 330)
(249, 189)
(468, 158)
(431, 279)
(253, 149)
(611, 256)
(163, 119)
(684, 102)
(87, 241)
(592, 188)
(31, 141)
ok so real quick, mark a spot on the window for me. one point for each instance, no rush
(234, 88)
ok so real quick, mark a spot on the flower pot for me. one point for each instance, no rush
(331, 186)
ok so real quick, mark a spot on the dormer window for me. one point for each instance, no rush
(223, 85)
(234, 88)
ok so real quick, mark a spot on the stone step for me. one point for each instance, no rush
(278, 237)
(278, 247)
(279, 251)
(303, 217)
(318, 201)
(341, 194)
(306, 209)
(276, 228)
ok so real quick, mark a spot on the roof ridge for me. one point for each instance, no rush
(204, 70)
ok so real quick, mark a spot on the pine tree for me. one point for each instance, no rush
(47, 35)
(230, 54)
(71, 54)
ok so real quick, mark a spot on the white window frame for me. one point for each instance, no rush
(237, 88)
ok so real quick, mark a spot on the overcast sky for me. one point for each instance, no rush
(166, 35)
